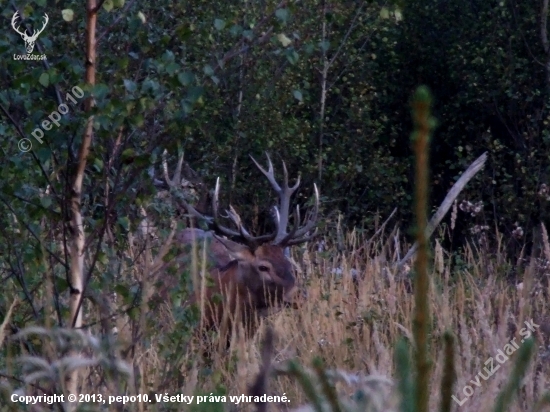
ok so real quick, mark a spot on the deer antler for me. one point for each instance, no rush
(232, 214)
(13, 20)
(297, 234)
(174, 184)
(242, 234)
(29, 40)
(279, 236)
(36, 33)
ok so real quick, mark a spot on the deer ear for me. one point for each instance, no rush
(236, 250)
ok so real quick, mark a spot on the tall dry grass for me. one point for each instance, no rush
(353, 323)
(357, 309)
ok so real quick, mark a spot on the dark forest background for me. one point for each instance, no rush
(323, 85)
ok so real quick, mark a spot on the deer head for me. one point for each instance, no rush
(29, 40)
(258, 271)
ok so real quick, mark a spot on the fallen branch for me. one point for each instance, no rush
(475, 167)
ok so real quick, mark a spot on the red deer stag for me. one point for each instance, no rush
(252, 273)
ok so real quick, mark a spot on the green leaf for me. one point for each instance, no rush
(297, 94)
(98, 164)
(172, 68)
(102, 258)
(292, 56)
(168, 56)
(208, 70)
(119, 3)
(124, 222)
(46, 201)
(186, 106)
(398, 15)
(133, 313)
(130, 85)
(43, 154)
(100, 90)
(67, 14)
(122, 291)
(282, 14)
(219, 24)
(324, 45)
(186, 78)
(108, 5)
(236, 30)
(137, 120)
(404, 380)
(195, 93)
(128, 154)
(142, 160)
(44, 79)
(61, 284)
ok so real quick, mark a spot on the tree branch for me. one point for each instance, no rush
(543, 26)
(475, 167)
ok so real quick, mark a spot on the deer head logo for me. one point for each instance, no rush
(29, 40)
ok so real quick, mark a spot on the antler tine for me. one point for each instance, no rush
(284, 199)
(295, 226)
(13, 21)
(252, 241)
(270, 173)
(242, 233)
(277, 216)
(303, 239)
(236, 218)
(312, 219)
(173, 185)
(296, 185)
(35, 33)
(177, 174)
(216, 221)
(46, 20)
(285, 193)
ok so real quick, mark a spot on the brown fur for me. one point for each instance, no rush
(251, 277)
(249, 283)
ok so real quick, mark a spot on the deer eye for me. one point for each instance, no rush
(263, 268)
